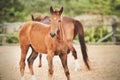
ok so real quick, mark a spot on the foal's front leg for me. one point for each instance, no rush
(50, 56)
(63, 58)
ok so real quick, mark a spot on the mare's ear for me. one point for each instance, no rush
(61, 10)
(32, 17)
(51, 10)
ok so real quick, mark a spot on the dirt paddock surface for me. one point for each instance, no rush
(104, 61)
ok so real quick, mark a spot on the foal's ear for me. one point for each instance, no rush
(51, 10)
(61, 10)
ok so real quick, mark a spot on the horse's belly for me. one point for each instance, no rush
(39, 48)
(38, 43)
(37, 39)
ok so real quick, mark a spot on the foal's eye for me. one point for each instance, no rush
(59, 20)
(49, 20)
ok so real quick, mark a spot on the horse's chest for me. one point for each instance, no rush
(60, 47)
(55, 45)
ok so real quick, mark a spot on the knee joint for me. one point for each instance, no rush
(67, 73)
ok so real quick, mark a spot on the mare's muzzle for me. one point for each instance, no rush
(52, 34)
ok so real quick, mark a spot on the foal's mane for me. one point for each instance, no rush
(62, 32)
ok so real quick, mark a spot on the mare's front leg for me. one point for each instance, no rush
(30, 60)
(63, 58)
(74, 53)
(50, 56)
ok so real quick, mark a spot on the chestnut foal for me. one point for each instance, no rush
(49, 39)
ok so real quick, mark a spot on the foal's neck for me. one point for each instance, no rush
(61, 34)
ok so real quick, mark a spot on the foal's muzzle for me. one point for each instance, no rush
(52, 34)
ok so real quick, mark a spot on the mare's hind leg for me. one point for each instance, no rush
(24, 50)
(40, 60)
(30, 60)
(74, 53)
(63, 58)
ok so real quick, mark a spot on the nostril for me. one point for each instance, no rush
(52, 34)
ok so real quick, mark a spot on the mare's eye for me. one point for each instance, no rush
(59, 20)
(49, 20)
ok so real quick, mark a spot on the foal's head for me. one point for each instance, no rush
(55, 20)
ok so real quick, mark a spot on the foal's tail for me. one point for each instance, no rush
(80, 31)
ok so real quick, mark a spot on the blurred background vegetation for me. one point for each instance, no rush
(21, 10)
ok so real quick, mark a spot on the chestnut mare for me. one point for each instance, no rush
(49, 39)
(72, 28)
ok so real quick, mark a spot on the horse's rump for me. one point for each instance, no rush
(31, 33)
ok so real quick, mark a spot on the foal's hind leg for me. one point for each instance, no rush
(40, 60)
(24, 49)
(63, 58)
(74, 53)
(30, 60)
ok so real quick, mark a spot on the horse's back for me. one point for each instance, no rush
(30, 26)
(68, 26)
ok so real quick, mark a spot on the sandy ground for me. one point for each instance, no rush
(104, 61)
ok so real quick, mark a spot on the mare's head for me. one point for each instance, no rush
(55, 20)
(41, 19)
(38, 18)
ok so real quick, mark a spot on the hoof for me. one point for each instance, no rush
(33, 78)
(50, 72)
(22, 78)
(40, 66)
(77, 66)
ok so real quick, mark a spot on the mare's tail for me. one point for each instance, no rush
(80, 31)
